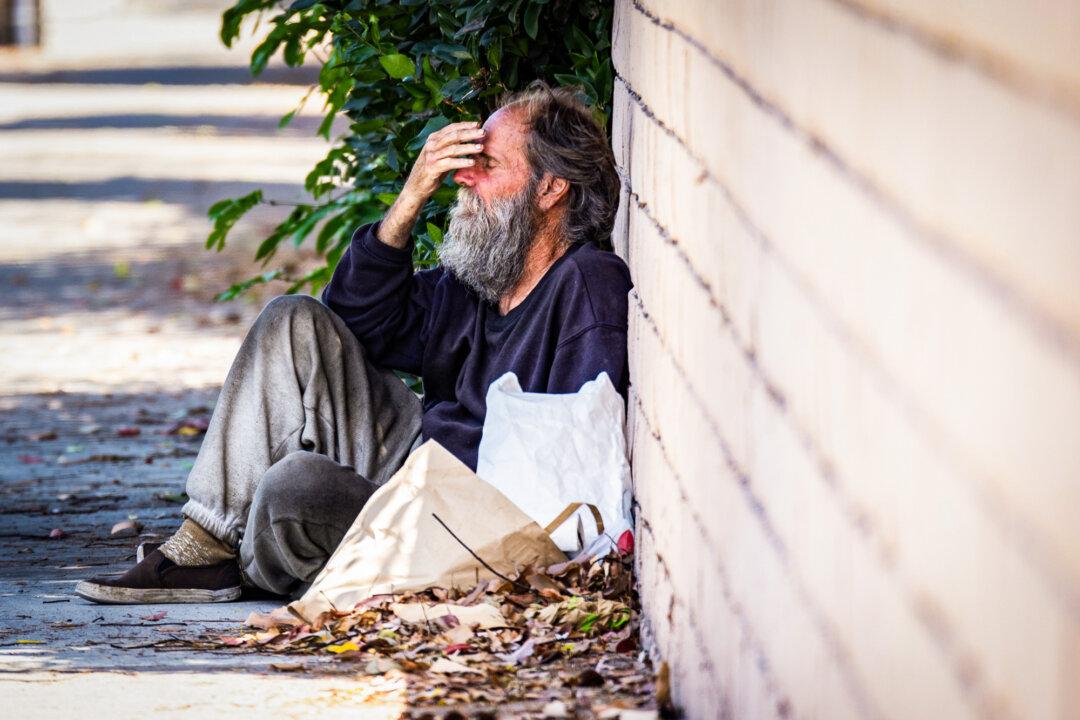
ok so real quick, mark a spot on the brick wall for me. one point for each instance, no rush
(854, 229)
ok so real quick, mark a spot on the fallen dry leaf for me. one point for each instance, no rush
(446, 665)
(348, 646)
(189, 427)
(457, 648)
(483, 616)
(536, 649)
(265, 621)
(287, 667)
(555, 709)
(628, 714)
(524, 652)
(378, 666)
(126, 528)
(458, 635)
(540, 582)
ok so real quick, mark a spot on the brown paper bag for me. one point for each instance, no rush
(396, 544)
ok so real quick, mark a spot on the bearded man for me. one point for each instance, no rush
(312, 420)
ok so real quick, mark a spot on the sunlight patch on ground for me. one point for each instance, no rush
(207, 695)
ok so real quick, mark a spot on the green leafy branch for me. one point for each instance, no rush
(396, 72)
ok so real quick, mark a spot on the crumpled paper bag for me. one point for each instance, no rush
(396, 544)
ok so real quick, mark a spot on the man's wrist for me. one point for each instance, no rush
(398, 223)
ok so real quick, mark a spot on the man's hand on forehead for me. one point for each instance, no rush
(445, 150)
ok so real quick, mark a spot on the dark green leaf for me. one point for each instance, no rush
(568, 80)
(450, 52)
(330, 231)
(240, 288)
(456, 89)
(434, 124)
(262, 53)
(316, 279)
(234, 16)
(435, 233)
(470, 27)
(357, 104)
(225, 213)
(293, 51)
(532, 15)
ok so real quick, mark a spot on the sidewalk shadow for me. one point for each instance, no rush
(222, 125)
(168, 75)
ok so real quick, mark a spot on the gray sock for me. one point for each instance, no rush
(192, 545)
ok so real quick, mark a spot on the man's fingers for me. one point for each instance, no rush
(455, 127)
(456, 133)
(453, 163)
(457, 150)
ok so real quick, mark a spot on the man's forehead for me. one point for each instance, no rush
(506, 134)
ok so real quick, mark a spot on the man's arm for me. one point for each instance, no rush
(374, 289)
(442, 153)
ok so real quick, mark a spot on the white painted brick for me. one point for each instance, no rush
(947, 344)
(1027, 44)
(713, 364)
(940, 546)
(966, 156)
(693, 210)
(935, 527)
(846, 582)
(937, 544)
(1030, 48)
(792, 644)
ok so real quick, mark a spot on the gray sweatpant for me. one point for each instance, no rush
(304, 431)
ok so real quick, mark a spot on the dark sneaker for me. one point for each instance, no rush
(157, 579)
(144, 549)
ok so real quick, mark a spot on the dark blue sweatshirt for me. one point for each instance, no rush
(571, 327)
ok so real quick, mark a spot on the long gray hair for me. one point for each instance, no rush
(567, 142)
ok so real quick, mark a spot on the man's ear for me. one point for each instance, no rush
(550, 191)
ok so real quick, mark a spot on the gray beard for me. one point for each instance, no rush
(485, 248)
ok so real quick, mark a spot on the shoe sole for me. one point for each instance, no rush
(111, 595)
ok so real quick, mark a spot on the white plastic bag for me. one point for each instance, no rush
(544, 451)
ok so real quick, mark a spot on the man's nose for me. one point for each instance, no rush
(465, 177)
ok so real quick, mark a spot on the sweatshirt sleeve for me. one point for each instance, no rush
(597, 311)
(385, 304)
(599, 348)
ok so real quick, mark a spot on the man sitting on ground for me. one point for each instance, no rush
(311, 419)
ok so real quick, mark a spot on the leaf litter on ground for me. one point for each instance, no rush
(572, 639)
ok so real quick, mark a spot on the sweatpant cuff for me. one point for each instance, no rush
(214, 523)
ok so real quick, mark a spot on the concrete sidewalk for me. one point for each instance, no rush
(116, 138)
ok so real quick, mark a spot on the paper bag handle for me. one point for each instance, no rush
(570, 510)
